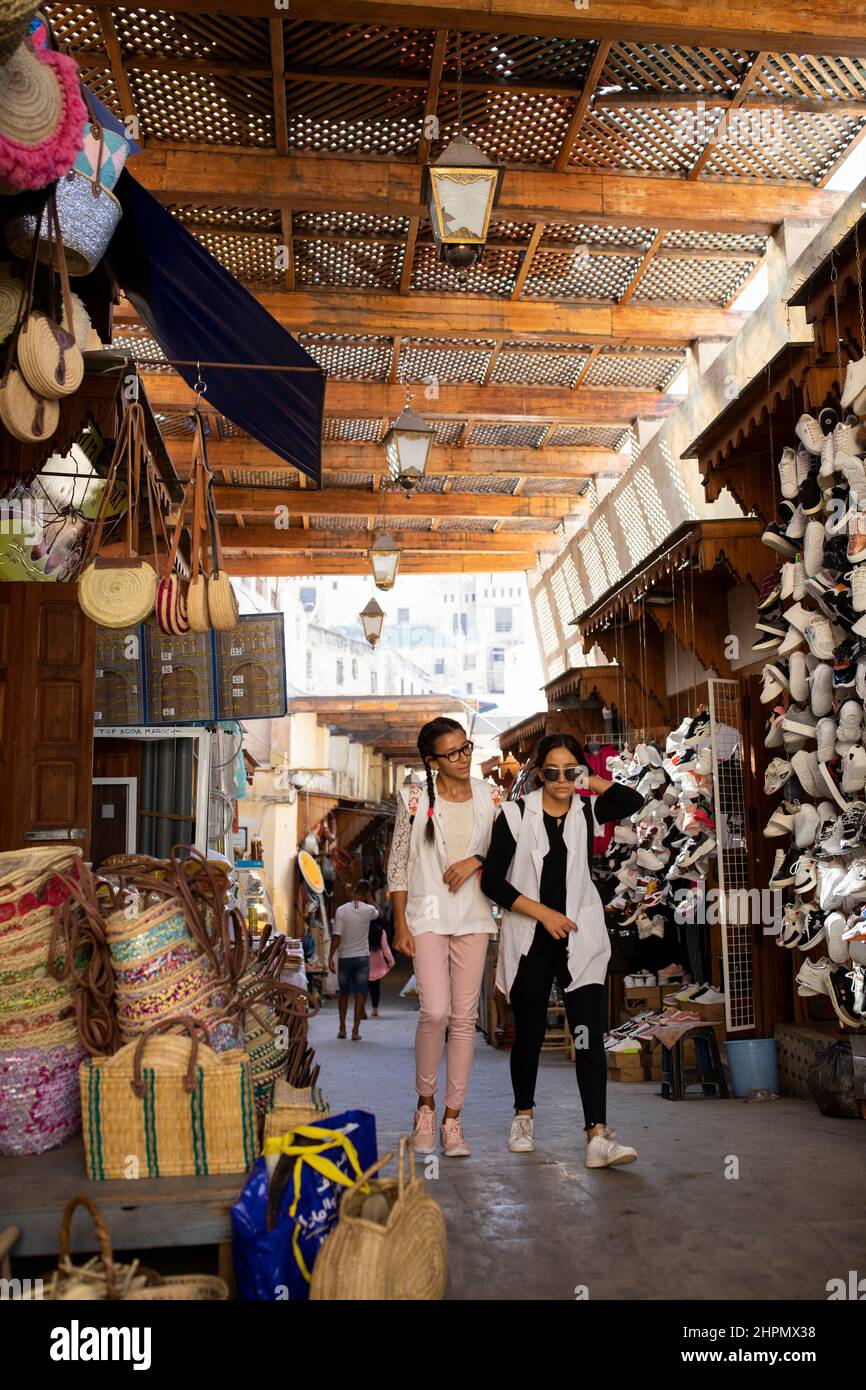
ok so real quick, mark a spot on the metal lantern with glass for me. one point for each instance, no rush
(384, 556)
(407, 447)
(372, 618)
(461, 189)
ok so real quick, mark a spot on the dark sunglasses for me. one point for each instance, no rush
(553, 774)
(464, 751)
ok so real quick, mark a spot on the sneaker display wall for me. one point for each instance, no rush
(810, 622)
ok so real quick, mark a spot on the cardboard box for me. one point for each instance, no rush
(624, 1061)
(637, 999)
(710, 1013)
(622, 1075)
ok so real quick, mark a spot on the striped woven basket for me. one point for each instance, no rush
(168, 1106)
(40, 1050)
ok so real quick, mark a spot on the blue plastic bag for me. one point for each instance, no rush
(326, 1159)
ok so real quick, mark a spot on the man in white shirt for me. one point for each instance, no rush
(350, 946)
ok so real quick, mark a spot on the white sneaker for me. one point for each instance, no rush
(835, 926)
(813, 977)
(806, 822)
(776, 776)
(796, 528)
(805, 768)
(855, 476)
(854, 769)
(819, 635)
(809, 433)
(850, 721)
(799, 580)
(520, 1140)
(798, 677)
(826, 735)
(788, 473)
(821, 690)
(858, 589)
(855, 382)
(813, 547)
(603, 1151)
(709, 996)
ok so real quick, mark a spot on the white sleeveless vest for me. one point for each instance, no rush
(430, 906)
(589, 946)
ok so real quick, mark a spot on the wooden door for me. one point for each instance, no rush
(47, 690)
(113, 807)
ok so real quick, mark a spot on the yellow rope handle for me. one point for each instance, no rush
(312, 1155)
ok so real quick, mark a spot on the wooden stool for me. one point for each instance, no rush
(708, 1073)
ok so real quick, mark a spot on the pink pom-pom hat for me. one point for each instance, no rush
(42, 117)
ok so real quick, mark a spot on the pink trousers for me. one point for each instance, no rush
(448, 972)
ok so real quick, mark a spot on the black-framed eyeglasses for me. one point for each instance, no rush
(464, 751)
(553, 774)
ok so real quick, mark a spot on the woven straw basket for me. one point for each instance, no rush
(178, 1107)
(389, 1241)
(49, 357)
(117, 594)
(294, 1106)
(26, 416)
(102, 1279)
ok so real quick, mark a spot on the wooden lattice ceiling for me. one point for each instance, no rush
(649, 153)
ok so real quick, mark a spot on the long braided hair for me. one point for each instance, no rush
(427, 737)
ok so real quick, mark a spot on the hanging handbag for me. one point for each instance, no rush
(48, 355)
(88, 212)
(221, 601)
(389, 1241)
(198, 614)
(171, 611)
(179, 1107)
(27, 415)
(120, 592)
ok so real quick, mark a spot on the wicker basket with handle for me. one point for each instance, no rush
(177, 1106)
(102, 1279)
(389, 1241)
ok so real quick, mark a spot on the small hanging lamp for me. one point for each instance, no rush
(407, 447)
(384, 557)
(372, 618)
(461, 189)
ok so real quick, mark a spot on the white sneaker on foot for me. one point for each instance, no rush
(453, 1139)
(424, 1130)
(603, 1151)
(520, 1140)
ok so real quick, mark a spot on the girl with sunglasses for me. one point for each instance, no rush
(553, 928)
(443, 920)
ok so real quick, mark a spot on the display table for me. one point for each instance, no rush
(144, 1214)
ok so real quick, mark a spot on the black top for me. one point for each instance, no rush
(614, 804)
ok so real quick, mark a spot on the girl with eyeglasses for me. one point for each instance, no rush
(553, 928)
(443, 920)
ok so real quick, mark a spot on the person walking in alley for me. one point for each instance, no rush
(381, 961)
(553, 928)
(350, 947)
(442, 919)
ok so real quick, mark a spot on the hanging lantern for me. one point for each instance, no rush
(461, 190)
(372, 617)
(384, 556)
(407, 447)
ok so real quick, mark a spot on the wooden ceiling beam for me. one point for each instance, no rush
(750, 76)
(580, 110)
(114, 58)
(356, 400)
(245, 453)
(270, 502)
(270, 540)
(292, 566)
(822, 26)
(351, 313)
(306, 182)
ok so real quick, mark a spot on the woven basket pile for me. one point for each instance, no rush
(40, 1049)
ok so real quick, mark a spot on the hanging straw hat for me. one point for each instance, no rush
(42, 117)
(11, 290)
(15, 16)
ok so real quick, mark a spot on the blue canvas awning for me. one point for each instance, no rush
(198, 312)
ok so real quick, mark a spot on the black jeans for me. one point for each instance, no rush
(375, 993)
(585, 1007)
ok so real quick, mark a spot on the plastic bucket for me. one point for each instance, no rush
(753, 1065)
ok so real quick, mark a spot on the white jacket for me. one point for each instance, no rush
(430, 906)
(589, 946)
